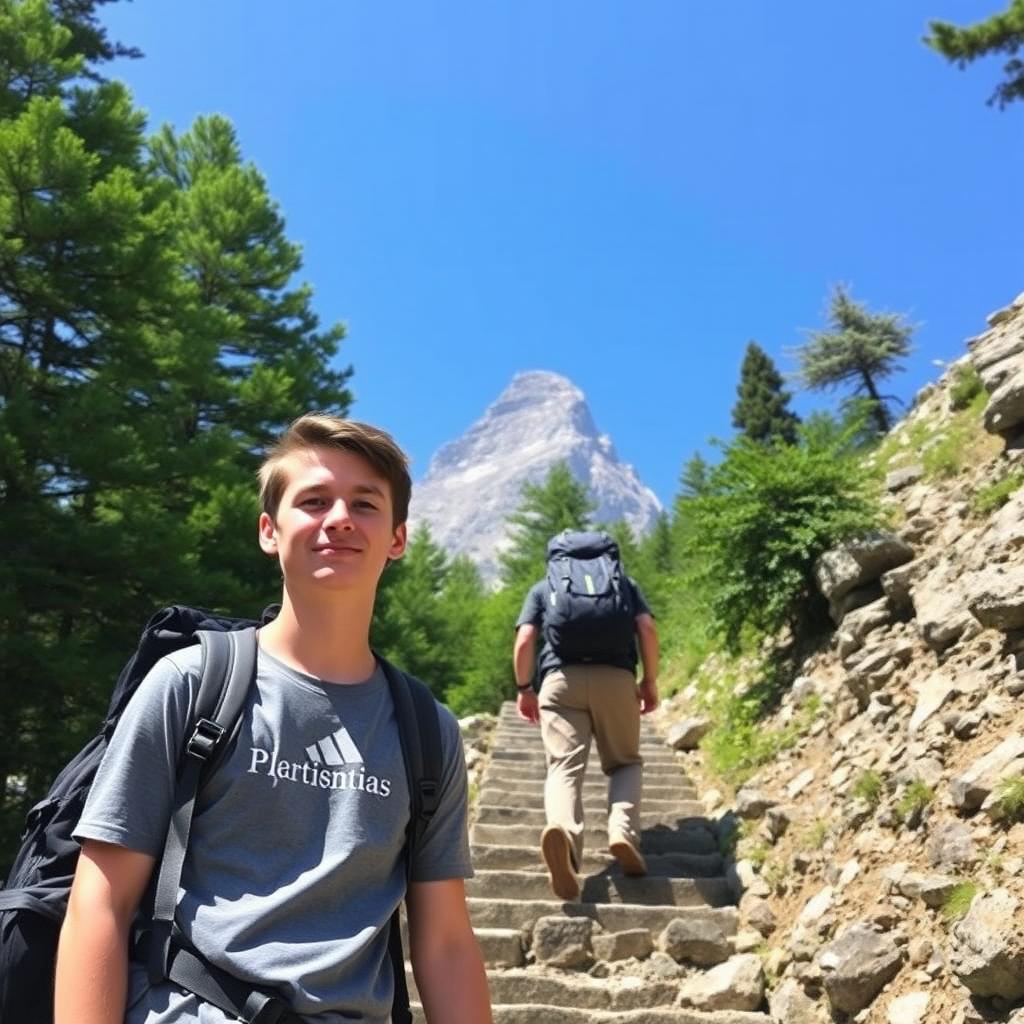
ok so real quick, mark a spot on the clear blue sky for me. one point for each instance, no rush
(622, 192)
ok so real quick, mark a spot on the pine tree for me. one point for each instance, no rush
(693, 480)
(762, 405)
(1001, 33)
(860, 350)
(149, 347)
(559, 503)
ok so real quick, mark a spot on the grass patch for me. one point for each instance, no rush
(957, 443)
(966, 386)
(986, 500)
(1010, 797)
(916, 797)
(958, 902)
(817, 833)
(943, 451)
(868, 787)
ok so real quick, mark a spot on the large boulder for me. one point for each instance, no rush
(700, 942)
(996, 597)
(970, 788)
(1005, 410)
(790, 1003)
(987, 948)
(738, 984)
(941, 611)
(563, 941)
(857, 966)
(858, 562)
(687, 734)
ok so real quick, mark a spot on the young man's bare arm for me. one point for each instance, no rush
(92, 958)
(647, 633)
(445, 955)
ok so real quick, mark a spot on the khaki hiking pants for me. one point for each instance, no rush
(576, 703)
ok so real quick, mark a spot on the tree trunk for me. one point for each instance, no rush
(878, 408)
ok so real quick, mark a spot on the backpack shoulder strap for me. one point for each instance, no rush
(228, 667)
(419, 733)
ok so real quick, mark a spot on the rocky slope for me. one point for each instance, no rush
(475, 482)
(881, 857)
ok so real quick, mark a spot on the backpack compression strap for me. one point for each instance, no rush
(228, 667)
(419, 732)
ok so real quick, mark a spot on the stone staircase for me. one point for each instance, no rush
(510, 894)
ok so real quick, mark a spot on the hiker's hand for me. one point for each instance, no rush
(527, 706)
(647, 695)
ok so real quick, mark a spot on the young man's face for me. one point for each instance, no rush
(334, 522)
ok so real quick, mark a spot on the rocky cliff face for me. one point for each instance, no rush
(881, 862)
(475, 482)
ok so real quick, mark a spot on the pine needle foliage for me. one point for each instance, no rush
(762, 404)
(1001, 33)
(859, 350)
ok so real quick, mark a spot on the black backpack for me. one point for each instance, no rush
(34, 899)
(589, 614)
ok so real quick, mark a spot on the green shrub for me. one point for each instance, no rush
(966, 386)
(916, 797)
(958, 902)
(868, 786)
(739, 742)
(767, 514)
(1010, 796)
(988, 499)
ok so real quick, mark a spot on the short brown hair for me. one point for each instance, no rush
(318, 430)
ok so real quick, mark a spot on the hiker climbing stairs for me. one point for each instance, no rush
(628, 948)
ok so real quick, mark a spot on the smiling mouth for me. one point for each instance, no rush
(337, 549)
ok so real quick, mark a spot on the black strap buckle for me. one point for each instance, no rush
(429, 789)
(205, 739)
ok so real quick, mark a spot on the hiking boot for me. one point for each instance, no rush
(630, 859)
(556, 849)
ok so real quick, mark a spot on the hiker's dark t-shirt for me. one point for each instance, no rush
(547, 662)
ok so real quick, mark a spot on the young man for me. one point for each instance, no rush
(289, 882)
(579, 700)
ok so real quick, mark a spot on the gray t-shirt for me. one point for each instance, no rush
(294, 864)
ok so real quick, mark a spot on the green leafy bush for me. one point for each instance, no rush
(966, 386)
(766, 516)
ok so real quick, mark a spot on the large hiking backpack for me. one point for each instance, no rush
(589, 614)
(34, 899)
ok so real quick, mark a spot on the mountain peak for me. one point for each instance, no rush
(475, 482)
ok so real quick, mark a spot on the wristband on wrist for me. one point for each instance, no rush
(521, 687)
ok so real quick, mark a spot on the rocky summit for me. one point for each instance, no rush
(475, 482)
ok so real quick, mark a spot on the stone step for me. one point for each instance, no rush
(657, 756)
(593, 800)
(604, 888)
(696, 837)
(668, 865)
(676, 787)
(613, 917)
(517, 772)
(540, 1013)
(579, 992)
(492, 814)
(500, 947)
